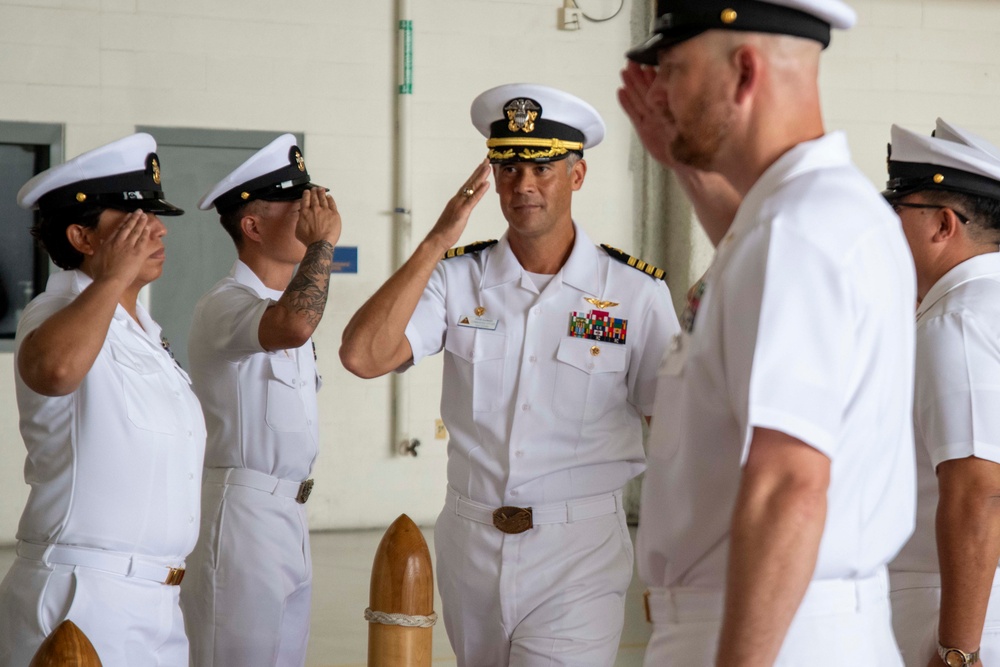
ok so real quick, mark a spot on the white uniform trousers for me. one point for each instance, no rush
(553, 595)
(130, 621)
(916, 600)
(840, 622)
(248, 589)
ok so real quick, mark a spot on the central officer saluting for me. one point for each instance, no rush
(551, 346)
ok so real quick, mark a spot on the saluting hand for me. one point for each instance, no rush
(319, 219)
(122, 253)
(449, 227)
(654, 129)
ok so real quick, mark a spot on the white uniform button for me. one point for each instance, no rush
(524, 407)
(532, 358)
(519, 453)
(190, 475)
(514, 492)
(190, 519)
(590, 365)
(190, 434)
(536, 310)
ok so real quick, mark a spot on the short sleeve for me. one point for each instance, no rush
(228, 322)
(659, 325)
(957, 388)
(426, 329)
(804, 345)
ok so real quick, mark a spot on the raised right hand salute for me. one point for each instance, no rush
(374, 342)
(298, 312)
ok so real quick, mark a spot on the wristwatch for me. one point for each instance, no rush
(956, 657)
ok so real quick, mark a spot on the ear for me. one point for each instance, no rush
(748, 65)
(578, 173)
(947, 225)
(250, 226)
(81, 238)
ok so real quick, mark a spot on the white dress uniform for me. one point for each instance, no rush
(247, 594)
(956, 416)
(539, 417)
(115, 475)
(803, 324)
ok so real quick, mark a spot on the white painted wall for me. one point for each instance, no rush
(326, 68)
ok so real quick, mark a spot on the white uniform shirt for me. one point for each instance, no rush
(116, 464)
(260, 407)
(956, 409)
(535, 415)
(804, 327)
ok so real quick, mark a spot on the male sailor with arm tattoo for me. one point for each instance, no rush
(246, 601)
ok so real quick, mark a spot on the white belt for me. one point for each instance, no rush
(823, 596)
(115, 562)
(564, 512)
(253, 479)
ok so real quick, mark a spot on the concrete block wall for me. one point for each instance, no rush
(326, 68)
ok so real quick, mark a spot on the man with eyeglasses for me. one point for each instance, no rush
(946, 190)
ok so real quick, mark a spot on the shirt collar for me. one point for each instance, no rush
(75, 281)
(970, 269)
(244, 275)
(581, 270)
(828, 151)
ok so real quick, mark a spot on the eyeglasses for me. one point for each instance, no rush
(902, 204)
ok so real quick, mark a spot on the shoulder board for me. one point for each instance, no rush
(472, 247)
(634, 262)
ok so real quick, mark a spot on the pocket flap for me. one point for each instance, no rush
(133, 359)
(580, 353)
(475, 345)
(284, 369)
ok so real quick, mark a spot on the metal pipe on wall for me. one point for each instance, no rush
(402, 443)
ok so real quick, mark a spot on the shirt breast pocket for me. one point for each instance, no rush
(589, 379)
(479, 358)
(152, 401)
(284, 410)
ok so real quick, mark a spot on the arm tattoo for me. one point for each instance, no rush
(311, 283)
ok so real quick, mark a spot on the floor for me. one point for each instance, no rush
(342, 570)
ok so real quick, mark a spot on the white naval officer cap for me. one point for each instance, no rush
(277, 172)
(123, 175)
(951, 159)
(527, 122)
(680, 20)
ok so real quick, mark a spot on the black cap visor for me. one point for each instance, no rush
(908, 177)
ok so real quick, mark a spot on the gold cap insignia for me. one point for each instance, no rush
(80, 197)
(938, 178)
(156, 171)
(521, 114)
(300, 161)
(244, 195)
(728, 16)
(600, 304)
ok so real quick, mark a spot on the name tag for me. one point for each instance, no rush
(478, 322)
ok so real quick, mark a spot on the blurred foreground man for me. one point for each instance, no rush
(247, 599)
(781, 458)
(115, 436)
(946, 190)
(551, 345)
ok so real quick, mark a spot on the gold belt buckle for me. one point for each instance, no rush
(305, 488)
(174, 577)
(512, 520)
